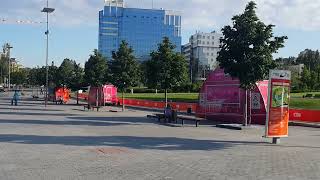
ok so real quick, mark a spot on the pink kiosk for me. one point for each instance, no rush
(222, 100)
(106, 94)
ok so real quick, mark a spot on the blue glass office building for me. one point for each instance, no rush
(143, 29)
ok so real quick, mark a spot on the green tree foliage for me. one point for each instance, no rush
(247, 48)
(166, 69)
(310, 58)
(52, 75)
(3, 68)
(305, 79)
(124, 68)
(310, 78)
(65, 72)
(37, 76)
(285, 62)
(70, 74)
(20, 77)
(96, 69)
(33, 78)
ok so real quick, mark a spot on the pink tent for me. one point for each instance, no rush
(221, 99)
(106, 94)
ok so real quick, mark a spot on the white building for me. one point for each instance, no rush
(202, 52)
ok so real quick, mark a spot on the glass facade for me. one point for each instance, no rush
(143, 29)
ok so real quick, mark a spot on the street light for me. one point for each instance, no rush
(9, 67)
(48, 11)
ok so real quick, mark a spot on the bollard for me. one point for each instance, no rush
(275, 140)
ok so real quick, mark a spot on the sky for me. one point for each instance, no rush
(74, 24)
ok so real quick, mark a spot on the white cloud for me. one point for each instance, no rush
(297, 14)
(197, 14)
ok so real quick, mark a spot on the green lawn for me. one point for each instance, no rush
(300, 95)
(305, 103)
(296, 101)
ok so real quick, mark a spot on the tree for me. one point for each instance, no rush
(305, 79)
(19, 77)
(70, 74)
(52, 75)
(96, 69)
(65, 72)
(166, 69)
(3, 67)
(32, 78)
(37, 76)
(124, 69)
(310, 58)
(285, 62)
(247, 48)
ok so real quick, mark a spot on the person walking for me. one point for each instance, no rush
(15, 98)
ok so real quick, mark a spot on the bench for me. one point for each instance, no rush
(180, 117)
(91, 107)
(190, 118)
(157, 116)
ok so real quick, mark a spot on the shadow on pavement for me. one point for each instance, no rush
(131, 120)
(142, 120)
(36, 114)
(20, 105)
(154, 143)
(134, 142)
(29, 109)
(118, 122)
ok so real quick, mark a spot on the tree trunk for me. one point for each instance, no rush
(78, 97)
(245, 120)
(166, 97)
(250, 109)
(97, 94)
(123, 107)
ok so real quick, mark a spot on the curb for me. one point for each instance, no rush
(304, 124)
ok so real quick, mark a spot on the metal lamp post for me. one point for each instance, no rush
(9, 67)
(47, 10)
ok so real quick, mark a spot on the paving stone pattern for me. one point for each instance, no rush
(64, 142)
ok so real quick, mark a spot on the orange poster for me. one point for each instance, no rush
(277, 123)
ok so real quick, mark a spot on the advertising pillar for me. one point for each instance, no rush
(277, 122)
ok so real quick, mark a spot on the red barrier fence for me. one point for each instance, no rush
(304, 115)
(83, 96)
(160, 105)
(152, 104)
(295, 114)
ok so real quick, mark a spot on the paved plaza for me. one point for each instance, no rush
(64, 142)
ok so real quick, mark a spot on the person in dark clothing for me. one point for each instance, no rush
(15, 98)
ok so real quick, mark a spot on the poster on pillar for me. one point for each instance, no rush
(277, 122)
